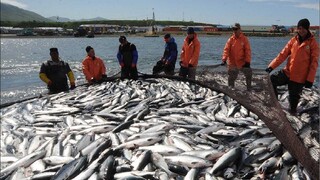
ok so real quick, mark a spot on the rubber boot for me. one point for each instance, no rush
(293, 105)
(248, 81)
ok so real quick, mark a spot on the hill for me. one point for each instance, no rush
(13, 13)
(64, 19)
(59, 19)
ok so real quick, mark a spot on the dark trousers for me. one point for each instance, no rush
(233, 74)
(58, 87)
(129, 72)
(160, 66)
(280, 78)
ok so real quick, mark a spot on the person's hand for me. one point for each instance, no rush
(73, 86)
(104, 76)
(269, 69)
(92, 80)
(190, 65)
(167, 62)
(246, 65)
(180, 63)
(308, 84)
(133, 65)
(122, 64)
(223, 63)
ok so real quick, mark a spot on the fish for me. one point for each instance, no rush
(231, 156)
(23, 162)
(146, 129)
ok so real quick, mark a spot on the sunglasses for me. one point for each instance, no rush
(235, 29)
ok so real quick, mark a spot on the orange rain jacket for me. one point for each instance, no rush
(303, 59)
(190, 52)
(93, 68)
(237, 51)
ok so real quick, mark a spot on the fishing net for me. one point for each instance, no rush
(261, 100)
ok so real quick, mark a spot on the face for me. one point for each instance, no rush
(236, 31)
(302, 31)
(54, 55)
(166, 39)
(91, 53)
(190, 36)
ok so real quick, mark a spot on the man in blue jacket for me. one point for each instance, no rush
(168, 61)
(128, 57)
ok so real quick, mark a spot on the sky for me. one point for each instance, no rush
(224, 12)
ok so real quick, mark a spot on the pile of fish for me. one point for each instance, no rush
(148, 129)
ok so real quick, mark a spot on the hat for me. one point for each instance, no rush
(304, 23)
(190, 30)
(122, 39)
(54, 50)
(167, 36)
(236, 26)
(88, 48)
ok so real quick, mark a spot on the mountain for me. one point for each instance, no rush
(64, 19)
(60, 19)
(94, 19)
(13, 13)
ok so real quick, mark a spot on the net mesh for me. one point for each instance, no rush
(259, 99)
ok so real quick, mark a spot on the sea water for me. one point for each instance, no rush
(21, 58)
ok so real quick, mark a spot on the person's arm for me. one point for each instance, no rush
(314, 61)
(226, 51)
(247, 51)
(173, 52)
(134, 54)
(43, 76)
(85, 69)
(70, 75)
(195, 56)
(120, 58)
(182, 55)
(282, 56)
(103, 68)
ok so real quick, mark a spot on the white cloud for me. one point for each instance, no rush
(294, 3)
(15, 3)
(309, 6)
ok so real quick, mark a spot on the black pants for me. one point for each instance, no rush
(233, 74)
(280, 78)
(58, 87)
(160, 66)
(129, 72)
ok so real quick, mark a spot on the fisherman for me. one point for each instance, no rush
(302, 52)
(93, 67)
(168, 61)
(54, 73)
(128, 57)
(237, 54)
(189, 56)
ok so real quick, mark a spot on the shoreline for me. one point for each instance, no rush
(161, 34)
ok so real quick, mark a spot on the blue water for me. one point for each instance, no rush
(21, 58)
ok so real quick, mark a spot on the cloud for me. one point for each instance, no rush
(308, 6)
(294, 3)
(15, 3)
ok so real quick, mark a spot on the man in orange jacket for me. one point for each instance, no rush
(302, 52)
(237, 53)
(54, 73)
(93, 67)
(190, 55)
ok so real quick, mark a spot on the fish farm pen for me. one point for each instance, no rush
(163, 127)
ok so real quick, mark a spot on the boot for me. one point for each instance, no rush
(248, 82)
(293, 106)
